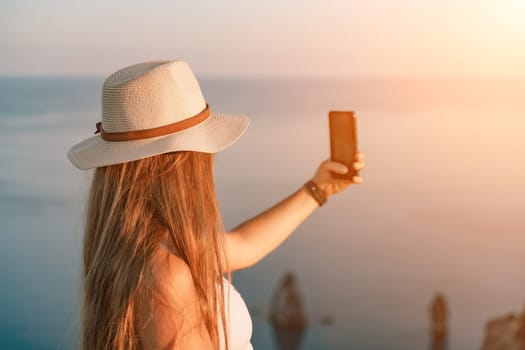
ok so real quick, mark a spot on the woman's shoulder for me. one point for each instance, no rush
(172, 271)
(179, 309)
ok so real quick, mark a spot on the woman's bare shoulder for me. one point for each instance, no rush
(175, 275)
(176, 322)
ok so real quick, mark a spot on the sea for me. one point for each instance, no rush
(441, 208)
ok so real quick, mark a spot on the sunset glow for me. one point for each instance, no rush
(292, 38)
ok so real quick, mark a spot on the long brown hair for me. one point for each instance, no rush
(131, 207)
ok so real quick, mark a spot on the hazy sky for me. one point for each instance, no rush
(266, 38)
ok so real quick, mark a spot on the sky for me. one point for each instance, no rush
(271, 38)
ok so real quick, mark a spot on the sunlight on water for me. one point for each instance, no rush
(441, 207)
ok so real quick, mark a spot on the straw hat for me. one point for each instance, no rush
(151, 108)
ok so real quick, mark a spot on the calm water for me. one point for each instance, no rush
(441, 207)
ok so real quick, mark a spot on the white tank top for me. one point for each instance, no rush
(238, 319)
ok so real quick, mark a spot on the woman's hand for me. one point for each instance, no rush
(325, 179)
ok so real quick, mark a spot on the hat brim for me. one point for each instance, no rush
(214, 134)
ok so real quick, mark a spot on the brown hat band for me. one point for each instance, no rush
(154, 132)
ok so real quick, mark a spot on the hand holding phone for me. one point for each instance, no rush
(343, 151)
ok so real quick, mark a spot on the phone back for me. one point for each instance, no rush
(343, 140)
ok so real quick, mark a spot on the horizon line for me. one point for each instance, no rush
(279, 77)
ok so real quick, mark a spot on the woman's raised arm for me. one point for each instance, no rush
(255, 238)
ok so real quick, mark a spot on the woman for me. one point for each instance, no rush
(155, 250)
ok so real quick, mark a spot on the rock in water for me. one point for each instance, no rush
(505, 333)
(438, 322)
(287, 314)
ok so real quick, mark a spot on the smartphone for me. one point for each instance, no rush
(343, 141)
